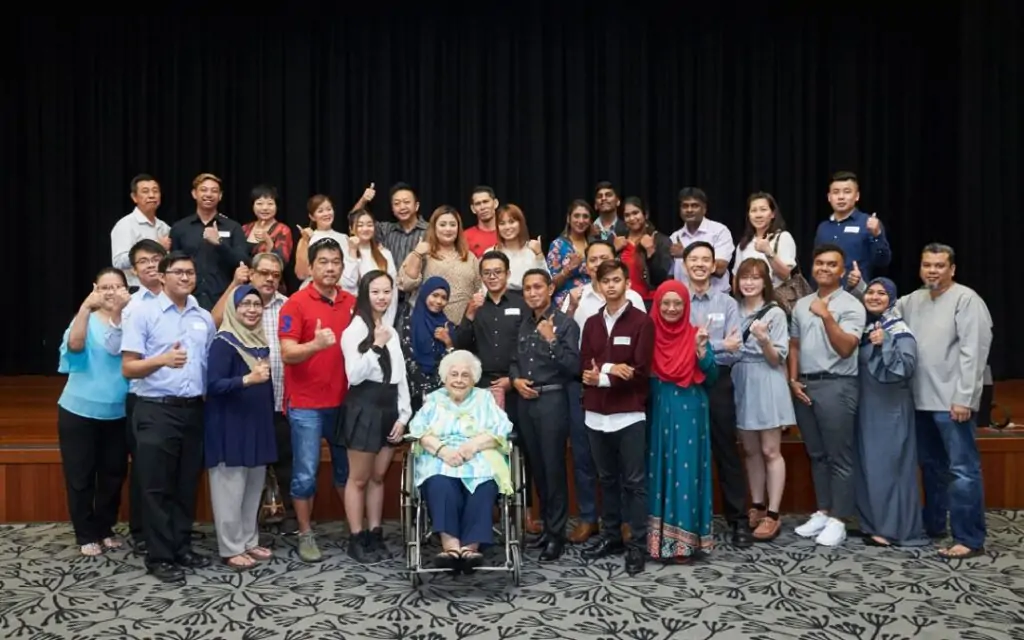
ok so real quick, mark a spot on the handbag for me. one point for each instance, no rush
(792, 288)
(271, 503)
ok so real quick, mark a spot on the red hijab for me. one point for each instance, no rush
(675, 343)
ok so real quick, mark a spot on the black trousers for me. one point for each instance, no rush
(169, 440)
(543, 430)
(95, 460)
(134, 491)
(283, 466)
(724, 450)
(621, 461)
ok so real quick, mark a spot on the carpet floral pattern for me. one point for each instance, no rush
(785, 589)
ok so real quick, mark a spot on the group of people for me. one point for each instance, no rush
(654, 355)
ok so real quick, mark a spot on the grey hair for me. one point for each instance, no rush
(259, 257)
(460, 357)
(938, 247)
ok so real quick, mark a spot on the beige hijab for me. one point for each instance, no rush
(251, 344)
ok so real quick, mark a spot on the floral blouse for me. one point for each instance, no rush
(558, 257)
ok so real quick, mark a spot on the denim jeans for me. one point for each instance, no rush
(582, 463)
(951, 473)
(308, 426)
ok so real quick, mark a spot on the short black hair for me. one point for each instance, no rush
(609, 266)
(843, 176)
(828, 247)
(605, 184)
(142, 177)
(538, 272)
(938, 247)
(403, 186)
(495, 255)
(482, 188)
(323, 244)
(263, 191)
(693, 246)
(173, 258)
(147, 245)
(597, 241)
(693, 193)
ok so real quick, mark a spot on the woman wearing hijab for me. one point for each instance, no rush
(427, 338)
(239, 421)
(678, 464)
(888, 499)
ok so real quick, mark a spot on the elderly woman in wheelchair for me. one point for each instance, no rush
(460, 461)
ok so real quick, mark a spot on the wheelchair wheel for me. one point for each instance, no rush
(517, 565)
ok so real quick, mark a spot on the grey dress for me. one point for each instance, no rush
(888, 498)
(761, 391)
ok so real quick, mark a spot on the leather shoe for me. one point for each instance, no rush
(583, 532)
(602, 548)
(741, 536)
(166, 572)
(191, 560)
(553, 551)
(540, 542)
(635, 561)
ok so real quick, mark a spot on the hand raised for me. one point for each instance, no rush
(369, 193)
(535, 246)
(323, 337)
(874, 225)
(381, 335)
(759, 329)
(819, 307)
(241, 274)
(854, 276)
(877, 335)
(733, 341)
(211, 234)
(176, 357)
(94, 300)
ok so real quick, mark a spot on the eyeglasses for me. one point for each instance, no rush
(182, 273)
(267, 273)
(108, 288)
(142, 262)
(250, 304)
(492, 273)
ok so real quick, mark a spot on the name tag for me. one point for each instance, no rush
(621, 340)
(199, 326)
(224, 234)
(851, 230)
(716, 317)
(513, 311)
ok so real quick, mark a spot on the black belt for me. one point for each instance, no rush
(174, 401)
(823, 375)
(548, 388)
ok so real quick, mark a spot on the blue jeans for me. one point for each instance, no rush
(308, 426)
(951, 473)
(582, 462)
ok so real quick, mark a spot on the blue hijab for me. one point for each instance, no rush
(891, 321)
(427, 351)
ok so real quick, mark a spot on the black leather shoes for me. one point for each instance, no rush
(741, 536)
(602, 548)
(635, 561)
(191, 560)
(166, 572)
(553, 551)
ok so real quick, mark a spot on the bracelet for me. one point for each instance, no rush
(437, 452)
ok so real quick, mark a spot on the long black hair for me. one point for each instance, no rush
(364, 309)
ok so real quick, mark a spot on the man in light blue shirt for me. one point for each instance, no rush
(719, 313)
(164, 348)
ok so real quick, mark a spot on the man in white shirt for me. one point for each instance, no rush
(693, 208)
(140, 224)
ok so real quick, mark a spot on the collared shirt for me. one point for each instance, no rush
(493, 334)
(399, 241)
(154, 329)
(722, 316)
(817, 355)
(591, 302)
(544, 362)
(130, 229)
(718, 236)
(611, 422)
(114, 334)
(271, 321)
(215, 264)
(851, 234)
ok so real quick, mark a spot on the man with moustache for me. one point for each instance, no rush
(214, 241)
(164, 348)
(144, 256)
(608, 226)
(953, 328)
(825, 330)
(720, 315)
(140, 224)
(860, 236)
(546, 359)
(693, 208)
(484, 235)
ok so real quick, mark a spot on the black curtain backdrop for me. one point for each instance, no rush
(540, 104)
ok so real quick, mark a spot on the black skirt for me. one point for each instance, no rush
(371, 411)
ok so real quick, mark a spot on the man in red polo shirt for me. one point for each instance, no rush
(311, 323)
(484, 235)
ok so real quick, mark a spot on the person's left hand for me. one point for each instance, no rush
(397, 432)
(467, 450)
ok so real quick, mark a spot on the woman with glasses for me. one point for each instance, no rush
(91, 416)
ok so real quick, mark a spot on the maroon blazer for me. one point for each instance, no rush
(631, 343)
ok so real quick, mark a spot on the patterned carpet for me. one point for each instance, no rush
(787, 589)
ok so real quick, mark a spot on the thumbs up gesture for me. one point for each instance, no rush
(259, 374)
(874, 225)
(592, 376)
(535, 246)
(323, 338)
(854, 278)
(369, 193)
(241, 274)
(176, 357)
(211, 234)
(733, 341)
(546, 329)
(702, 336)
(877, 334)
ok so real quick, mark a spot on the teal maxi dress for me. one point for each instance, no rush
(679, 491)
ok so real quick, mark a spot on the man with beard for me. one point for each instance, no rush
(484, 235)
(140, 224)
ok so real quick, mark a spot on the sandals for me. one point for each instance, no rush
(261, 554)
(112, 544)
(241, 562)
(470, 559)
(950, 553)
(876, 541)
(450, 559)
(91, 550)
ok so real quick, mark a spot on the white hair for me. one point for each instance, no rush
(460, 357)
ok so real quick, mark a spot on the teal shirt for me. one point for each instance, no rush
(95, 387)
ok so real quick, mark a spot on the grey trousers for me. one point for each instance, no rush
(828, 429)
(235, 495)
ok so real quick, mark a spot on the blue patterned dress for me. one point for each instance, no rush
(679, 491)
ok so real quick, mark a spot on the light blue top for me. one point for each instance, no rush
(114, 334)
(95, 387)
(154, 328)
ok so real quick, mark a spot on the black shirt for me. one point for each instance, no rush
(215, 264)
(492, 335)
(544, 362)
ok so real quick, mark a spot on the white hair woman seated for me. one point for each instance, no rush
(460, 460)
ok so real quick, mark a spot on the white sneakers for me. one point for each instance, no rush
(826, 531)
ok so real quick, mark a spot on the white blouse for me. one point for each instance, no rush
(519, 262)
(360, 367)
(356, 267)
(786, 250)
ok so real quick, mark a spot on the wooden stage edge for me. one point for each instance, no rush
(32, 482)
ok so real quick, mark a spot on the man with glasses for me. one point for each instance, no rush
(144, 257)
(265, 274)
(165, 347)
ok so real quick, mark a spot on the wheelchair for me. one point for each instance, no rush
(416, 528)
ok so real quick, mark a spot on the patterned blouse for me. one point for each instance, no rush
(454, 424)
(558, 257)
(280, 235)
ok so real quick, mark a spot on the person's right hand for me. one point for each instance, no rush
(452, 457)
(525, 388)
(260, 373)
(94, 300)
(323, 338)
(798, 389)
(176, 357)
(422, 248)
(241, 275)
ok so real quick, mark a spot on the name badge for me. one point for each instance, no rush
(621, 340)
(512, 311)
(851, 230)
(716, 317)
(199, 326)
